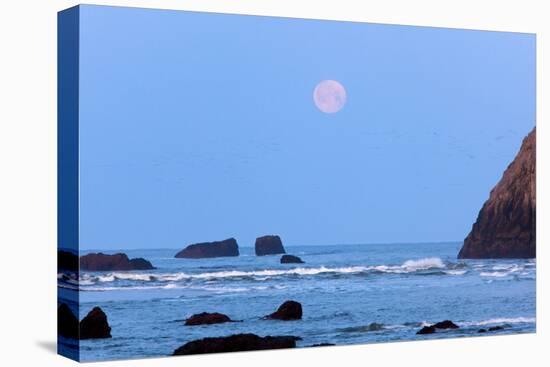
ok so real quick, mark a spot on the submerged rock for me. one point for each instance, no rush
(289, 310)
(322, 345)
(506, 224)
(206, 318)
(291, 259)
(67, 323)
(496, 328)
(120, 261)
(269, 245)
(95, 325)
(228, 247)
(236, 343)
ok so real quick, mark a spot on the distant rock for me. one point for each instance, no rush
(289, 310)
(104, 262)
(67, 323)
(206, 318)
(67, 261)
(482, 331)
(506, 224)
(228, 247)
(447, 324)
(269, 245)
(291, 259)
(95, 325)
(235, 343)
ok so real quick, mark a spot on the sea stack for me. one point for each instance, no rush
(505, 226)
(225, 248)
(104, 262)
(269, 245)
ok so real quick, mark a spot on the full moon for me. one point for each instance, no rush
(329, 96)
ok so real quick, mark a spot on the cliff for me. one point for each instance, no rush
(505, 226)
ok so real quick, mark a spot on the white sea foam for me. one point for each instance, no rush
(515, 320)
(409, 266)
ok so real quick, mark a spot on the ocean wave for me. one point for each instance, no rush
(409, 266)
(217, 290)
(514, 320)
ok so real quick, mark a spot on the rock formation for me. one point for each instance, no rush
(447, 324)
(104, 262)
(289, 310)
(95, 325)
(505, 226)
(67, 323)
(291, 259)
(206, 318)
(236, 343)
(228, 247)
(269, 245)
(67, 261)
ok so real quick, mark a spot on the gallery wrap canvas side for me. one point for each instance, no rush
(236, 183)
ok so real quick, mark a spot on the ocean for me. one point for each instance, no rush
(350, 294)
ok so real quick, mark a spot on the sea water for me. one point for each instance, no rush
(350, 294)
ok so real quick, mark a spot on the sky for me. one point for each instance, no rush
(199, 127)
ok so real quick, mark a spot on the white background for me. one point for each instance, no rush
(28, 182)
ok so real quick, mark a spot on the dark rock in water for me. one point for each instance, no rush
(447, 324)
(67, 261)
(67, 323)
(235, 343)
(505, 226)
(269, 245)
(95, 325)
(322, 345)
(228, 247)
(482, 331)
(291, 259)
(206, 318)
(289, 310)
(426, 330)
(496, 328)
(104, 262)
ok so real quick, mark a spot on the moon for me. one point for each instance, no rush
(329, 96)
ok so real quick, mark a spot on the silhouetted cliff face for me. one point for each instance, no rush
(505, 226)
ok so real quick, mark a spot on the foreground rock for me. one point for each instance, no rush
(269, 245)
(236, 343)
(447, 324)
(67, 323)
(228, 247)
(505, 226)
(289, 310)
(95, 325)
(104, 262)
(291, 259)
(67, 261)
(206, 318)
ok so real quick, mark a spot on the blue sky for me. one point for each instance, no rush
(198, 127)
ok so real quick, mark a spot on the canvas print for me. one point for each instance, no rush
(236, 183)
